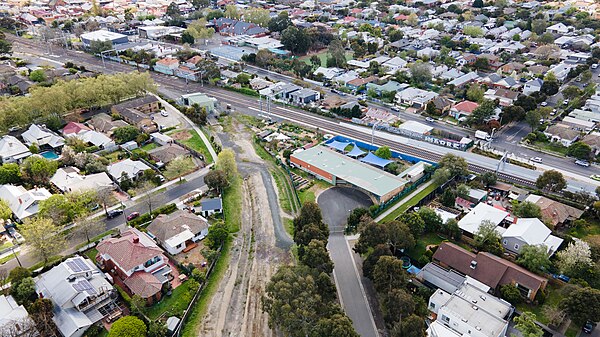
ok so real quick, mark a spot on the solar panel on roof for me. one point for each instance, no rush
(81, 263)
(73, 266)
(84, 285)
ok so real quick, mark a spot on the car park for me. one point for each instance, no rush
(114, 213)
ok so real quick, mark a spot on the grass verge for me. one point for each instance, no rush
(196, 143)
(8, 257)
(232, 205)
(175, 304)
(289, 226)
(410, 202)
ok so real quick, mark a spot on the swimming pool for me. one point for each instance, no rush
(51, 155)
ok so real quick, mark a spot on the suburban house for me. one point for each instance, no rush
(470, 223)
(166, 66)
(463, 109)
(177, 231)
(489, 269)
(212, 206)
(506, 97)
(304, 96)
(563, 134)
(530, 232)
(81, 295)
(554, 212)
(167, 153)
(41, 136)
(469, 311)
(14, 319)
(132, 168)
(204, 101)
(68, 179)
(531, 86)
(103, 123)
(137, 112)
(136, 263)
(593, 140)
(415, 97)
(12, 150)
(23, 203)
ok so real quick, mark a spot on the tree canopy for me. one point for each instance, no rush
(551, 180)
(128, 326)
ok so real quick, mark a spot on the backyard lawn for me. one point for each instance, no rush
(149, 146)
(91, 254)
(411, 202)
(189, 167)
(193, 140)
(422, 243)
(323, 56)
(176, 303)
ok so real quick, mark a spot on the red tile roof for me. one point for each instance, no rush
(74, 128)
(143, 284)
(125, 252)
(466, 106)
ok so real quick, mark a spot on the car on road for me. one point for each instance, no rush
(536, 159)
(589, 327)
(133, 215)
(583, 163)
(114, 213)
(429, 119)
(395, 108)
(595, 66)
(595, 177)
(544, 104)
(164, 113)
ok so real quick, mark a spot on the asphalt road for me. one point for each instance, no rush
(336, 204)
(174, 87)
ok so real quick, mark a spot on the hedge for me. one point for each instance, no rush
(146, 217)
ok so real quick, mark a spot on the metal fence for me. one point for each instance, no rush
(408, 189)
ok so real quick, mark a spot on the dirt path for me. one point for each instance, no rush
(235, 309)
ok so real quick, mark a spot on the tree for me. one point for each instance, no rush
(396, 305)
(441, 176)
(128, 326)
(316, 256)
(551, 180)
(511, 293)
(157, 329)
(216, 180)
(483, 112)
(526, 102)
(337, 325)
(420, 72)
(5, 211)
(179, 166)
(258, 16)
(579, 150)
(187, 37)
(546, 38)
(473, 31)
(355, 216)
(88, 227)
(226, 163)
(62, 208)
(527, 209)
(411, 326)
(538, 26)
(489, 178)
(582, 304)
(571, 92)
(124, 134)
(10, 173)
(534, 258)
(371, 235)
(199, 31)
(232, 12)
(399, 236)
(433, 222)
(388, 274)
(371, 260)
(383, 152)
(38, 170)
(478, 4)
(17, 274)
(336, 54)
(173, 10)
(526, 324)
(448, 198)
(24, 292)
(414, 222)
(512, 113)
(144, 190)
(295, 40)
(412, 19)
(97, 47)
(217, 234)
(475, 93)
(43, 236)
(576, 257)
(456, 165)
(42, 313)
(280, 22)
(38, 76)
(488, 239)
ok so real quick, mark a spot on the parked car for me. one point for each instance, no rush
(566, 102)
(536, 159)
(164, 113)
(114, 213)
(544, 104)
(430, 120)
(133, 215)
(595, 66)
(589, 327)
(583, 163)
(395, 108)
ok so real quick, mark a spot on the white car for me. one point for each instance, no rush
(595, 66)
(544, 104)
(566, 102)
(536, 159)
(164, 113)
(430, 120)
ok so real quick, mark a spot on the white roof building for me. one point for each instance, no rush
(133, 168)
(470, 223)
(416, 127)
(68, 179)
(14, 319)
(329, 73)
(531, 232)
(12, 150)
(40, 135)
(81, 295)
(23, 203)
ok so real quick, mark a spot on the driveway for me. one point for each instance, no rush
(336, 204)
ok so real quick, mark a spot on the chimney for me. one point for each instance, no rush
(473, 264)
(136, 239)
(20, 201)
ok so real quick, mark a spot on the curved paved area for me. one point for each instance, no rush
(336, 204)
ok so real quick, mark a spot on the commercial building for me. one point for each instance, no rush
(102, 36)
(339, 169)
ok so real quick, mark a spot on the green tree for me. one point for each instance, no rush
(217, 234)
(571, 92)
(488, 239)
(489, 178)
(258, 16)
(456, 165)
(157, 329)
(179, 166)
(38, 76)
(24, 292)
(216, 180)
(38, 170)
(383, 152)
(128, 326)
(337, 325)
(295, 40)
(433, 222)
(551, 180)
(5, 211)
(280, 22)
(97, 47)
(43, 236)
(534, 258)
(527, 209)
(478, 4)
(336, 54)
(371, 234)
(441, 176)
(199, 31)
(10, 173)
(232, 12)
(187, 37)
(316, 256)
(226, 163)
(580, 150)
(173, 10)
(388, 274)
(473, 31)
(371, 260)
(411, 326)
(526, 324)
(60, 208)
(396, 305)
(538, 26)
(17, 274)
(420, 72)
(124, 134)
(511, 293)
(414, 222)
(582, 304)
(484, 111)
(399, 236)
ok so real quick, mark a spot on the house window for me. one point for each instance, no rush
(516, 246)
(432, 305)
(445, 318)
